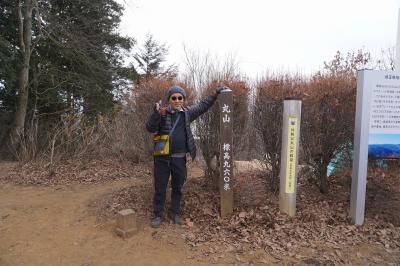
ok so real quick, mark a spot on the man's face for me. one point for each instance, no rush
(176, 101)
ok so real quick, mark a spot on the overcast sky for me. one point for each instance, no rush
(294, 35)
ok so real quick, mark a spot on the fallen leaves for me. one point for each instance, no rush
(321, 220)
(76, 171)
(189, 222)
(256, 224)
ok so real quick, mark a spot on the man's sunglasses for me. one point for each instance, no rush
(179, 98)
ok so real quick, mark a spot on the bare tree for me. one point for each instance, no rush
(203, 68)
(204, 73)
(386, 61)
(25, 10)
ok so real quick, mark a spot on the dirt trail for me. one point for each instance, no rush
(54, 226)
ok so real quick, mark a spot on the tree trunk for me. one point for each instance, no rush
(274, 181)
(211, 171)
(25, 33)
(323, 185)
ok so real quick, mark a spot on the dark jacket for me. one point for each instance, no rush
(162, 123)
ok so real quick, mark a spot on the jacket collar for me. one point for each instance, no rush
(171, 110)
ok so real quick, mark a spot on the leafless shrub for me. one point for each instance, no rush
(328, 113)
(267, 116)
(25, 147)
(207, 126)
(78, 137)
(205, 72)
(328, 122)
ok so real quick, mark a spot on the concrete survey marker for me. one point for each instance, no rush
(126, 223)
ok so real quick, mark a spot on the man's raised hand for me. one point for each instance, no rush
(219, 89)
(157, 106)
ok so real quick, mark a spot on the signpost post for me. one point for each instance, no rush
(226, 151)
(289, 156)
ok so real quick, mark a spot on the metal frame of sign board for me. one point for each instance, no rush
(360, 161)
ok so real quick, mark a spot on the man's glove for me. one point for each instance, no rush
(218, 90)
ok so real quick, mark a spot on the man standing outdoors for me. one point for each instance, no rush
(174, 121)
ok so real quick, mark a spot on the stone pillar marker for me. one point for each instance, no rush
(225, 99)
(126, 223)
(289, 156)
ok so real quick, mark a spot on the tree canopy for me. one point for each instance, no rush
(76, 56)
(149, 61)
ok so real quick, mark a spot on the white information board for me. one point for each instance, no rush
(385, 103)
(377, 129)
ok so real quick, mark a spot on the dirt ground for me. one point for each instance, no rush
(55, 226)
(59, 225)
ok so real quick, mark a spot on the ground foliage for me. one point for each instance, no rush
(73, 172)
(321, 222)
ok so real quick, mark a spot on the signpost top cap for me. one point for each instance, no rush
(293, 98)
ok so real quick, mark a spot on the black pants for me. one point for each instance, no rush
(163, 168)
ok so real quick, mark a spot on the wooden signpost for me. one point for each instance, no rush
(226, 162)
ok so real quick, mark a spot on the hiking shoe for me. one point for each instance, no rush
(177, 219)
(156, 222)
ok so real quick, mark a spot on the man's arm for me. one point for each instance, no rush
(153, 123)
(196, 110)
